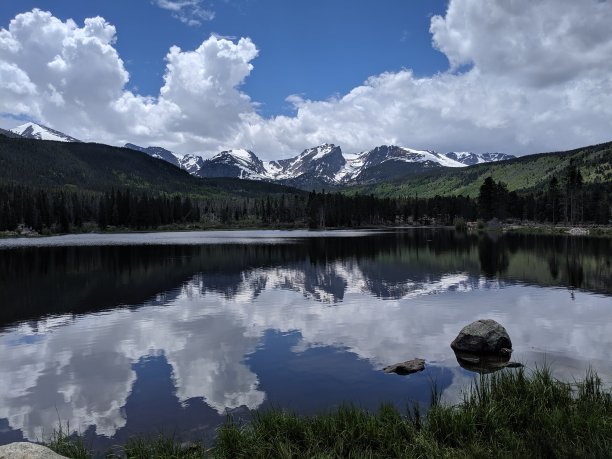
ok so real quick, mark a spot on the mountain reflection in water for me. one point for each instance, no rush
(116, 340)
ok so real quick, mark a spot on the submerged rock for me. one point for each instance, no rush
(24, 450)
(485, 363)
(406, 368)
(485, 336)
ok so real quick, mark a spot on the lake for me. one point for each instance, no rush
(126, 334)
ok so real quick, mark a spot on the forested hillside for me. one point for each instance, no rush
(97, 167)
(524, 174)
(52, 187)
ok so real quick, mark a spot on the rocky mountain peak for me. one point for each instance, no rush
(40, 132)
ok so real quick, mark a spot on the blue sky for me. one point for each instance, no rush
(316, 48)
(279, 76)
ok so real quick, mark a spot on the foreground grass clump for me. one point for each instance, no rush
(66, 445)
(158, 447)
(506, 414)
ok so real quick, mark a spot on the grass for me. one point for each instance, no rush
(160, 447)
(71, 446)
(506, 414)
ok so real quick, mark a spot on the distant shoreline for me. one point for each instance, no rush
(535, 228)
(527, 228)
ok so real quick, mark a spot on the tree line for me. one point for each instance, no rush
(565, 200)
(68, 210)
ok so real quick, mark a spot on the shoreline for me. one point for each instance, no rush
(528, 228)
(561, 230)
(511, 413)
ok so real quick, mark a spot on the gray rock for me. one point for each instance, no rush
(485, 363)
(24, 450)
(485, 336)
(515, 365)
(406, 368)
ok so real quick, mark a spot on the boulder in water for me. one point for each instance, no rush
(485, 336)
(406, 368)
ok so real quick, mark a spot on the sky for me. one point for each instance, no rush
(279, 76)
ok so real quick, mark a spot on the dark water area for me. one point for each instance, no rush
(117, 335)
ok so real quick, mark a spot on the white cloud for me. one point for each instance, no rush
(190, 12)
(524, 77)
(537, 43)
(73, 79)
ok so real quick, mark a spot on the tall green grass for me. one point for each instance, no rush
(507, 414)
(67, 445)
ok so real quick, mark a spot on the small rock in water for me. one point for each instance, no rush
(485, 336)
(514, 365)
(406, 368)
(578, 232)
(25, 450)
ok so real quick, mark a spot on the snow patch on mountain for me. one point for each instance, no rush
(191, 163)
(40, 132)
(468, 158)
(234, 163)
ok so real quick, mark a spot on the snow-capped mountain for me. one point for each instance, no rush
(192, 164)
(469, 159)
(314, 167)
(322, 162)
(156, 152)
(40, 132)
(386, 162)
(325, 165)
(319, 167)
(494, 157)
(234, 163)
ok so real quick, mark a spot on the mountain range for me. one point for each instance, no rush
(386, 171)
(324, 166)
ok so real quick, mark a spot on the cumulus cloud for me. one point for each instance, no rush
(523, 77)
(73, 79)
(541, 43)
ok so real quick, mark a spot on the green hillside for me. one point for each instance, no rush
(96, 167)
(527, 173)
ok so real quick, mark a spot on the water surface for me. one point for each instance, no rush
(118, 335)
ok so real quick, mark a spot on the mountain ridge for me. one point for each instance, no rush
(524, 173)
(38, 131)
(327, 166)
(156, 152)
(322, 167)
(386, 170)
(100, 168)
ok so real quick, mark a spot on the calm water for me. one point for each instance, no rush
(118, 335)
